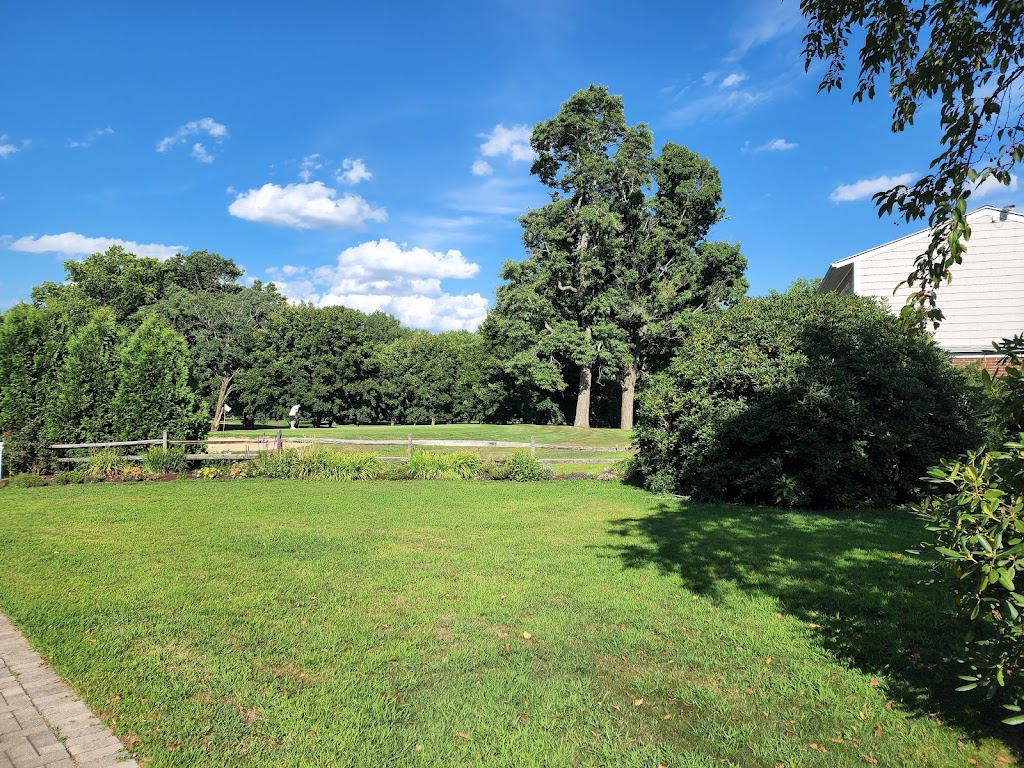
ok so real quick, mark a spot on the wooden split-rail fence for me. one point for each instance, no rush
(266, 444)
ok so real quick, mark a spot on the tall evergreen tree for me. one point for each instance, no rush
(573, 240)
(156, 389)
(667, 269)
(80, 407)
(29, 357)
(613, 268)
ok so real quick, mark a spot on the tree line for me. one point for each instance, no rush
(616, 265)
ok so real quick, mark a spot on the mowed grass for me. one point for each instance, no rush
(513, 433)
(282, 623)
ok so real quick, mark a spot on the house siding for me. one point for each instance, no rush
(985, 300)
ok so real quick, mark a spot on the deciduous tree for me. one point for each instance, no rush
(219, 321)
(967, 57)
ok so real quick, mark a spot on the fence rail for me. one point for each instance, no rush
(245, 457)
(266, 444)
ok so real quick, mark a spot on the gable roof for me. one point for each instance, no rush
(838, 270)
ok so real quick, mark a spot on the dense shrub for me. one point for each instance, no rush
(977, 540)
(521, 467)
(802, 399)
(457, 465)
(26, 480)
(69, 477)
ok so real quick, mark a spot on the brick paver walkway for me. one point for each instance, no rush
(42, 723)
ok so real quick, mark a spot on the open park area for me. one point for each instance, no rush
(379, 390)
(281, 623)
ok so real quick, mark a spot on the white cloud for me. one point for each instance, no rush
(309, 164)
(74, 244)
(513, 143)
(206, 126)
(481, 168)
(499, 197)
(384, 256)
(354, 171)
(402, 281)
(199, 153)
(732, 80)
(734, 102)
(304, 206)
(859, 190)
(88, 140)
(990, 186)
(6, 150)
(765, 22)
(775, 145)
(446, 312)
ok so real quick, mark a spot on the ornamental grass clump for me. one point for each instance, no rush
(161, 462)
(273, 465)
(457, 465)
(106, 463)
(334, 465)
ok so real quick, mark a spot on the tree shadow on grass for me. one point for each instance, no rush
(844, 572)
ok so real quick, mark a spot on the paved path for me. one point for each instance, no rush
(42, 723)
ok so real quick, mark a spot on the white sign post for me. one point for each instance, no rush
(1, 461)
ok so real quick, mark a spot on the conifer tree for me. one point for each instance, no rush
(155, 388)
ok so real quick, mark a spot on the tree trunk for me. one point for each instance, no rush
(583, 400)
(628, 396)
(222, 395)
(433, 421)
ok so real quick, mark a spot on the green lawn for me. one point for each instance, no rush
(479, 623)
(514, 433)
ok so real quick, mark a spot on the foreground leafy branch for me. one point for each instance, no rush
(978, 546)
(966, 55)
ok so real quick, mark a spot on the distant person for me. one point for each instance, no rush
(293, 415)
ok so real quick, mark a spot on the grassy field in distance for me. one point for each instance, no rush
(515, 433)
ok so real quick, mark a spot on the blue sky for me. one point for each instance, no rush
(376, 155)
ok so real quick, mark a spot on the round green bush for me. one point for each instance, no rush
(802, 399)
(26, 480)
(521, 467)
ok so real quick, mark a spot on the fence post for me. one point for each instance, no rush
(533, 447)
(165, 441)
(280, 444)
(408, 451)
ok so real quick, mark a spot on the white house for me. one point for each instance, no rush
(983, 303)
